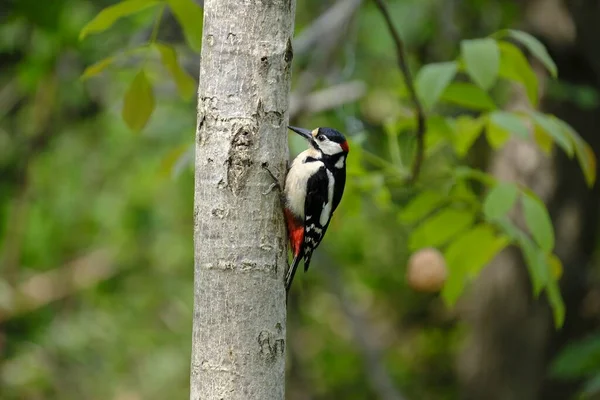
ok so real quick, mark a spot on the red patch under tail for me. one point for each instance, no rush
(295, 231)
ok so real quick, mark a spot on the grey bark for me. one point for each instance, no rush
(238, 349)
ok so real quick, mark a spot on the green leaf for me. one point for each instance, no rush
(468, 96)
(556, 303)
(496, 135)
(555, 265)
(186, 85)
(510, 122)
(467, 255)
(462, 192)
(501, 125)
(534, 260)
(538, 222)
(432, 80)
(482, 61)
(515, 67)
(139, 102)
(587, 161)
(578, 359)
(108, 16)
(463, 172)
(543, 140)
(421, 205)
(535, 47)
(440, 228)
(500, 200)
(97, 68)
(467, 130)
(439, 130)
(550, 125)
(583, 151)
(509, 229)
(190, 17)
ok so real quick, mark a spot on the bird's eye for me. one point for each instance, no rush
(320, 137)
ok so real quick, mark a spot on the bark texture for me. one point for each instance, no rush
(238, 349)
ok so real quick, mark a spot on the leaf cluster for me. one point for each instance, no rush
(139, 102)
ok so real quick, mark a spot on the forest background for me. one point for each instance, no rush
(96, 200)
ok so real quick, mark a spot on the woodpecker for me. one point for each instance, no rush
(313, 189)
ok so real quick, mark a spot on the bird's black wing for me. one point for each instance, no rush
(316, 200)
(340, 183)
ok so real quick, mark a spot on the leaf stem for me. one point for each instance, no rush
(394, 148)
(420, 114)
(385, 164)
(154, 33)
(156, 25)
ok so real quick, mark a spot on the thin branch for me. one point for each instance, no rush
(46, 287)
(419, 112)
(328, 23)
(323, 39)
(326, 99)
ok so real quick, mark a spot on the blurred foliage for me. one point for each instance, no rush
(581, 360)
(484, 61)
(78, 75)
(138, 103)
(74, 181)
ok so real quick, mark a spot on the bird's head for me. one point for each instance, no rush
(326, 140)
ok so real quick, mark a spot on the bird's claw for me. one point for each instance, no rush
(275, 183)
(270, 189)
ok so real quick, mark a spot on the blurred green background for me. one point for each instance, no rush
(96, 263)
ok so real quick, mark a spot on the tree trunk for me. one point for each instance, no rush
(238, 349)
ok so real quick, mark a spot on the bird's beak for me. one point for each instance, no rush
(305, 133)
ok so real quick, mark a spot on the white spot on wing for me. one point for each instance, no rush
(326, 213)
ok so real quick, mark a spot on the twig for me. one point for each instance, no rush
(46, 287)
(323, 50)
(408, 80)
(331, 21)
(327, 99)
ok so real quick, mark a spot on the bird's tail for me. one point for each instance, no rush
(291, 272)
(307, 258)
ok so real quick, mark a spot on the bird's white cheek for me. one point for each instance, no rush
(330, 148)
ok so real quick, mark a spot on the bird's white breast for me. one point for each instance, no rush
(297, 179)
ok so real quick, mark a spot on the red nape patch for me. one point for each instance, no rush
(295, 231)
(345, 147)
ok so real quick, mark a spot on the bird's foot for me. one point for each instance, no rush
(275, 184)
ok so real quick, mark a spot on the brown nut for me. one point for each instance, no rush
(426, 271)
